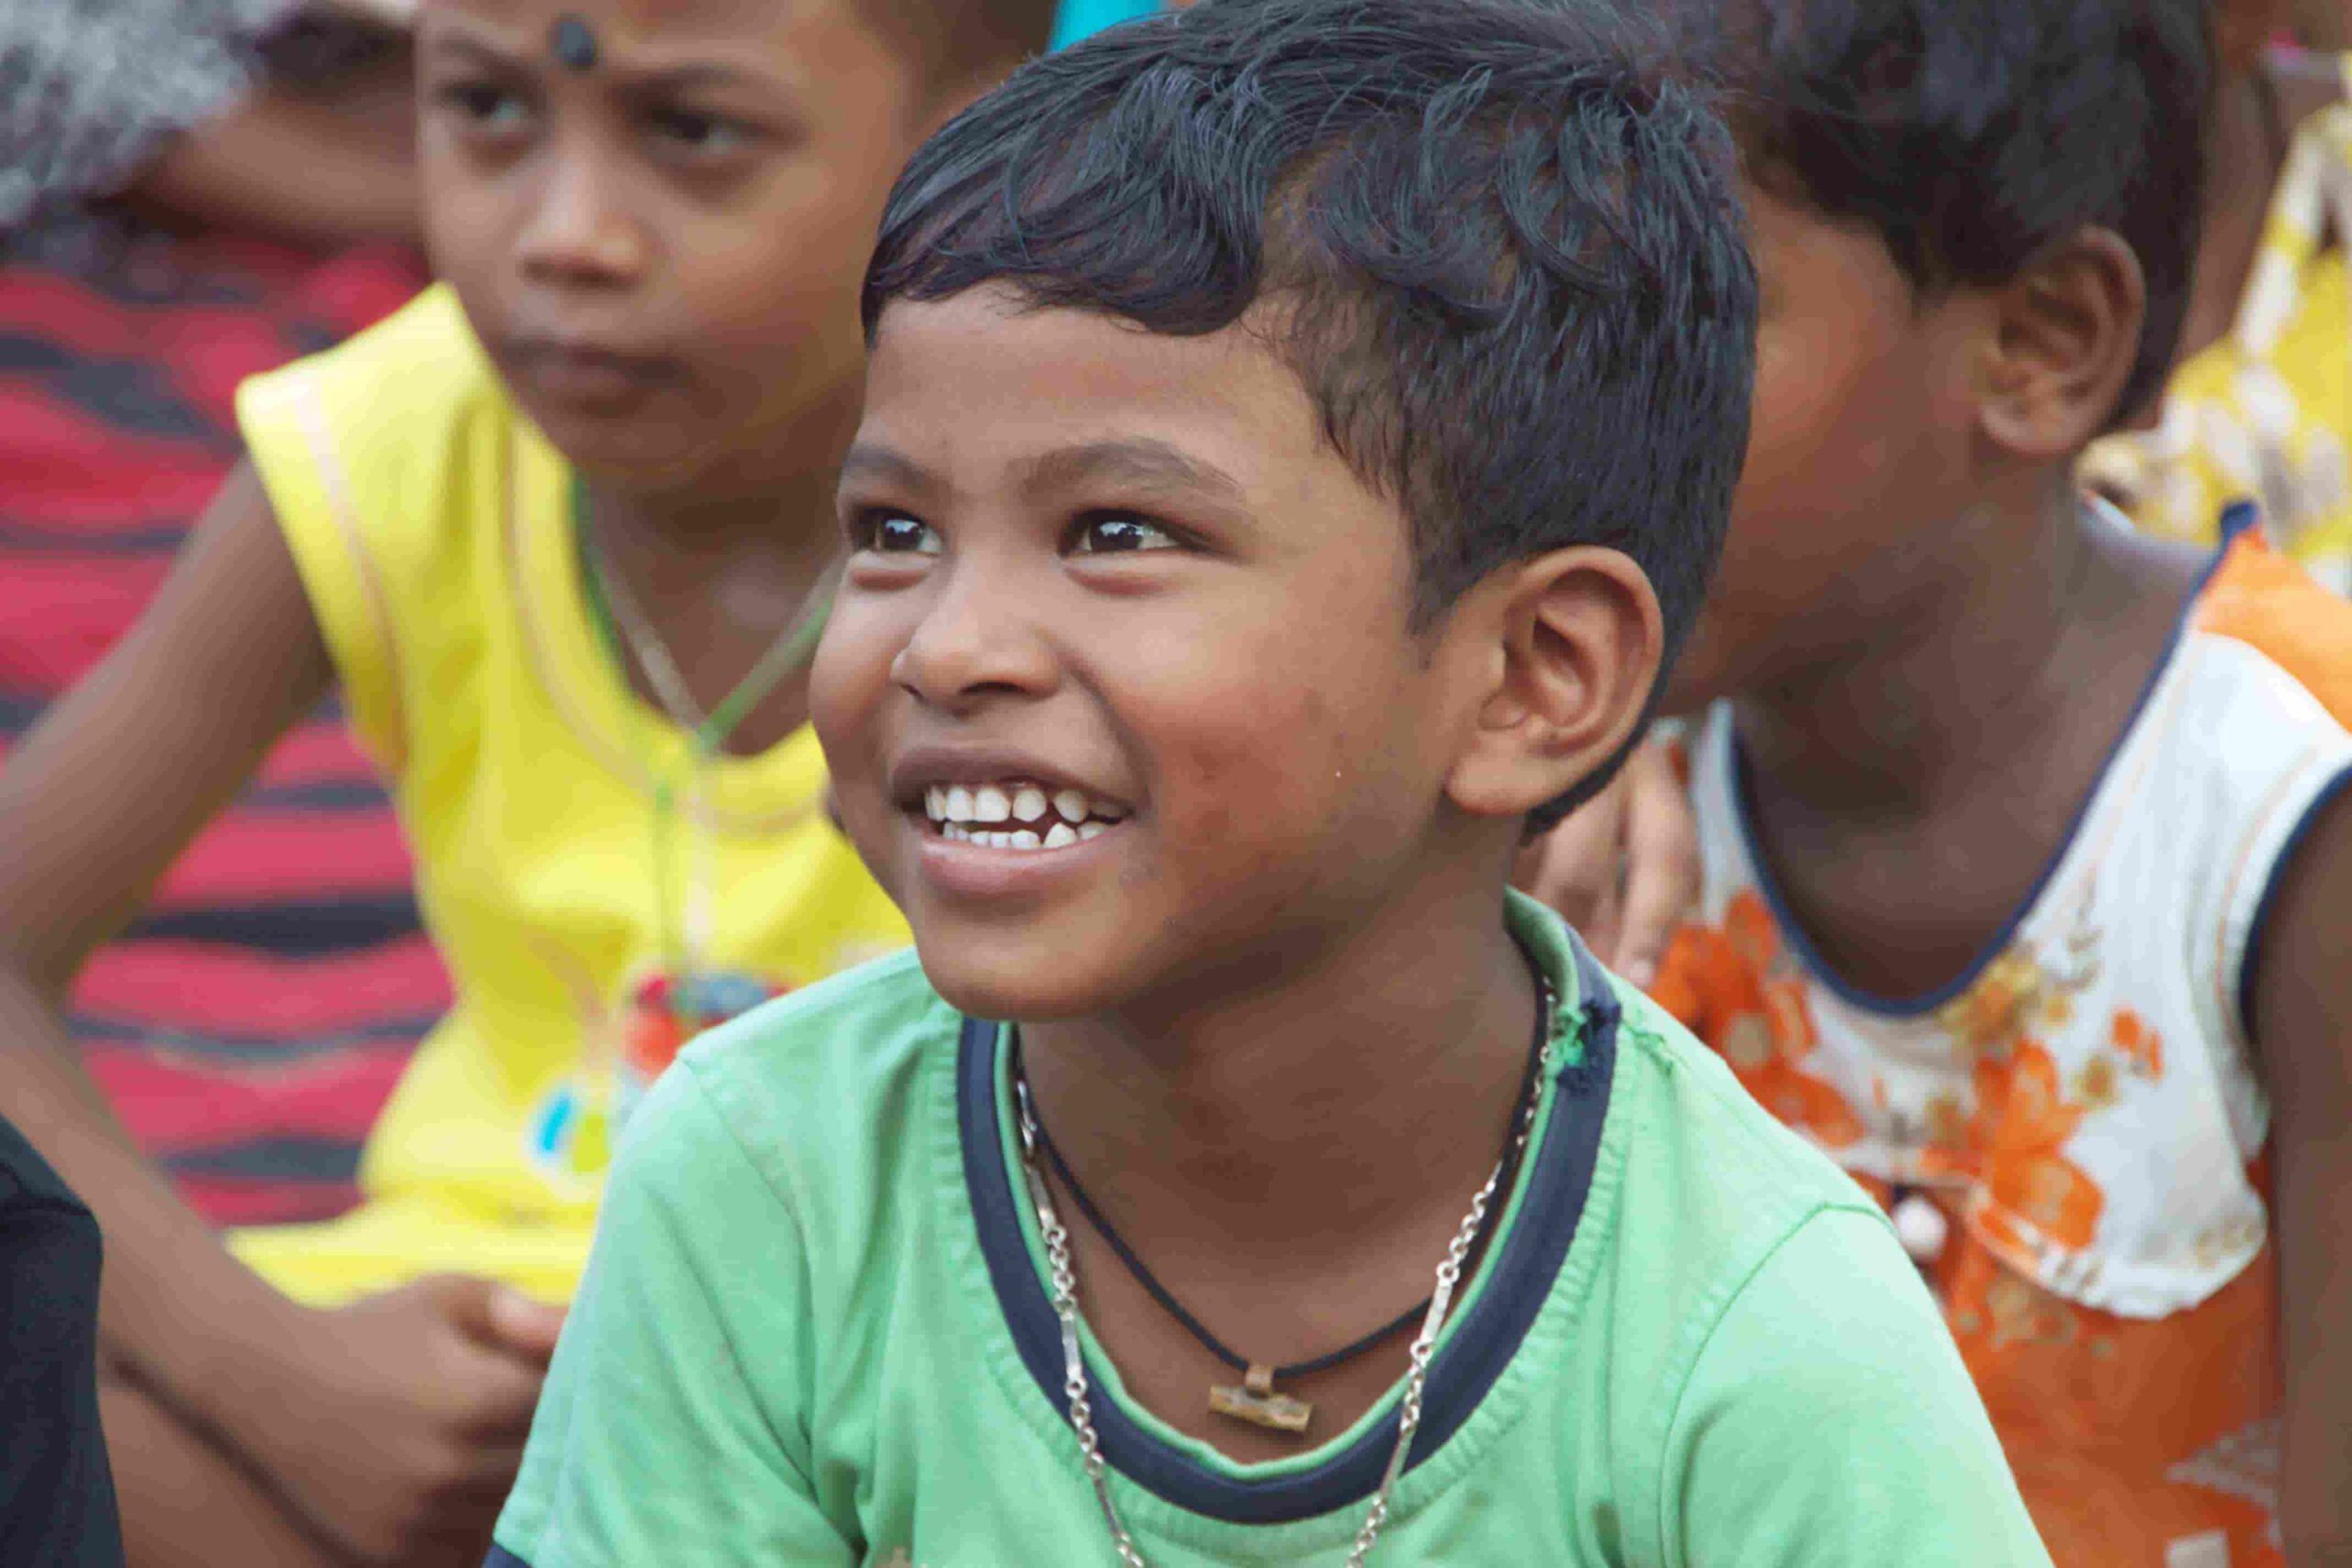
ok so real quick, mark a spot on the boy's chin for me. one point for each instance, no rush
(1006, 987)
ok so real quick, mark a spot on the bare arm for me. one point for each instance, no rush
(2303, 1024)
(115, 781)
(332, 165)
(396, 1424)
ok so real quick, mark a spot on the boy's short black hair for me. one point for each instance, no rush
(1500, 243)
(954, 40)
(1976, 134)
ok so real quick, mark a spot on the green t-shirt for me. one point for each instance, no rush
(815, 1331)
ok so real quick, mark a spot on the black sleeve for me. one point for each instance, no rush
(56, 1493)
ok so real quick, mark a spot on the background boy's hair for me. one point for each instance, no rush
(1499, 243)
(954, 40)
(1976, 134)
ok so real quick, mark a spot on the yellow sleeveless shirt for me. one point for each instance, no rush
(433, 531)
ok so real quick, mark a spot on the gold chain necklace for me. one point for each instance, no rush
(1063, 1277)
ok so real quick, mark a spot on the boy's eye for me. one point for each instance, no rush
(691, 130)
(896, 534)
(1114, 534)
(486, 106)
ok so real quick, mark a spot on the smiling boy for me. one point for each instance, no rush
(554, 533)
(1296, 438)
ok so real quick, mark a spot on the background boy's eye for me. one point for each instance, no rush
(1115, 534)
(896, 534)
(692, 130)
(486, 106)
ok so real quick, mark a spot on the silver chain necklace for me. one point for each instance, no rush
(1064, 1277)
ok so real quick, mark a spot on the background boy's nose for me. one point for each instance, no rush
(580, 234)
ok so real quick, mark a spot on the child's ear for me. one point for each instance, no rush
(1568, 649)
(2065, 338)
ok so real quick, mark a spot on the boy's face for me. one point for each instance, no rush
(1087, 558)
(657, 213)
(1863, 417)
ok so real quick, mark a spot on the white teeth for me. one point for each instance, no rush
(962, 810)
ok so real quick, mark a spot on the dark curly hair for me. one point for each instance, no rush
(1499, 243)
(1976, 134)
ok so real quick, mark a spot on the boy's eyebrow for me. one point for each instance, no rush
(456, 39)
(1142, 460)
(867, 460)
(686, 78)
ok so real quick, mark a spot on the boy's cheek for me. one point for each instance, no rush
(844, 698)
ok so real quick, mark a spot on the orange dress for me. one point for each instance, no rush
(2072, 1136)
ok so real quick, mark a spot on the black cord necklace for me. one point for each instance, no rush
(1256, 1401)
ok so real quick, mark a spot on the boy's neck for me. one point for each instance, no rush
(1303, 1116)
(720, 575)
(1993, 644)
(712, 523)
(1957, 742)
(765, 513)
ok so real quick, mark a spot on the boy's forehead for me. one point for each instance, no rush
(1089, 358)
(627, 24)
(987, 387)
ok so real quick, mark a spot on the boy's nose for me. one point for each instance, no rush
(973, 643)
(579, 234)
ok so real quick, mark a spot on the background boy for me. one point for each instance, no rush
(1298, 434)
(652, 220)
(2026, 839)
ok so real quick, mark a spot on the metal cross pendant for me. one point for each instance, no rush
(1257, 1402)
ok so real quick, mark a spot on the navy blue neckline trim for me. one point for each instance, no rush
(500, 1558)
(2334, 790)
(2236, 520)
(1519, 1279)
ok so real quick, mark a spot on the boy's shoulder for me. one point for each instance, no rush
(1714, 1183)
(2292, 636)
(383, 459)
(826, 1090)
(420, 363)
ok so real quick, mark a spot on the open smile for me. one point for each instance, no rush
(1019, 815)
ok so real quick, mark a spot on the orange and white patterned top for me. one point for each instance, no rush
(2080, 1108)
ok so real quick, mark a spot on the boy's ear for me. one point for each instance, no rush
(1568, 649)
(2065, 337)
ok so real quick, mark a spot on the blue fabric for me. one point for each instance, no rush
(1080, 17)
(57, 1503)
